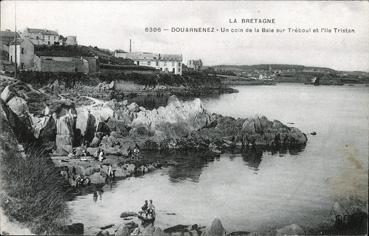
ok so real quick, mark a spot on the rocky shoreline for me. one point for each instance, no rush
(75, 133)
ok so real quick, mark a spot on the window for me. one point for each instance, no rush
(173, 63)
(22, 50)
(157, 63)
(165, 63)
(149, 63)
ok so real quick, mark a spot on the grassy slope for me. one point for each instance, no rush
(33, 191)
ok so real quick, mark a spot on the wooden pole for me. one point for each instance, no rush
(15, 39)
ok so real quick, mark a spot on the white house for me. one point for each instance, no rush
(25, 53)
(171, 63)
(41, 36)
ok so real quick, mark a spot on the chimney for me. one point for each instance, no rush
(130, 45)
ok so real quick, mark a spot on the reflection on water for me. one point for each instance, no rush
(255, 190)
(97, 194)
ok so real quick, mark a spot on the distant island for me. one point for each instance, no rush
(279, 73)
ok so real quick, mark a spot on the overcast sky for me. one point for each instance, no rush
(111, 25)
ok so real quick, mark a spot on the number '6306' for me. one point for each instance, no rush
(152, 29)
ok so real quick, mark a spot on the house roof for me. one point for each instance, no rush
(42, 31)
(170, 57)
(6, 37)
(153, 56)
(8, 34)
(20, 40)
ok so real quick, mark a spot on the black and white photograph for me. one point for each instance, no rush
(184, 118)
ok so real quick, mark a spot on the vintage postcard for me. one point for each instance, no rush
(184, 118)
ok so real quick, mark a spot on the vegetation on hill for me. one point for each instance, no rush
(104, 56)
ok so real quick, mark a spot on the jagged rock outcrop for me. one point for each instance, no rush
(117, 126)
(192, 115)
(215, 229)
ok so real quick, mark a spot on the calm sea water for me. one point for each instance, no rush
(256, 191)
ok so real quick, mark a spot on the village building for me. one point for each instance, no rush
(194, 64)
(6, 37)
(41, 36)
(170, 63)
(40, 58)
(61, 64)
(71, 40)
(23, 52)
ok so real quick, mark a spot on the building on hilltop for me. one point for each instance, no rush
(194, 64)
(41, 36)
(170, 63)
(71, 40)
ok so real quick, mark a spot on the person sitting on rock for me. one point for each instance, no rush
(151, 212)
(144, 208)
(101, 156)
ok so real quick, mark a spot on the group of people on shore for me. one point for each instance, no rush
(147, 212)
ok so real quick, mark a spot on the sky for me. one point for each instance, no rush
(111, 24)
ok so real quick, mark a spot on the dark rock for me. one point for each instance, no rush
(313, 133)
(90, 128)
(103, 128)
(127, 214)
(22, 131)
(131, 225)
(176, 228)
(107, 226)
(239, 233)
(77, 228)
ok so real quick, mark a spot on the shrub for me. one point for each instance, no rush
(34, 191)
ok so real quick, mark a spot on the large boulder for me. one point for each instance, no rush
(101, 111)
(215, 229)
(19, 106)
(122, 230)
(65, 128)
(6, 94)
(190, 115)
(73, 229)
(297, 137)
(97, 178)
